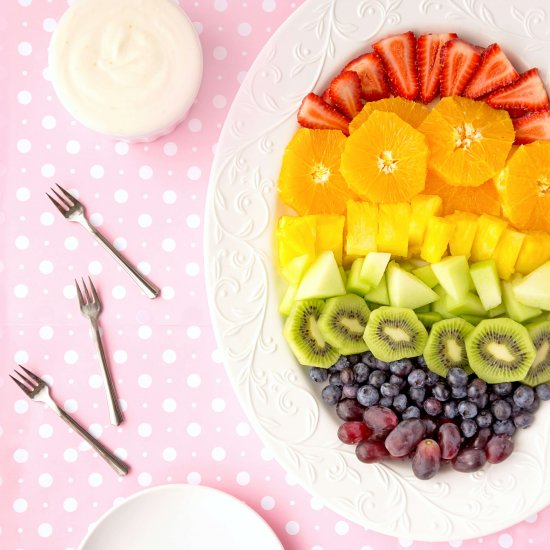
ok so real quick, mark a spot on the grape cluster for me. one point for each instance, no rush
(402, 409)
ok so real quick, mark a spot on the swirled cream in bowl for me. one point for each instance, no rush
(129, 69)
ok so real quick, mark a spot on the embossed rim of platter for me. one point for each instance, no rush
(243, 288)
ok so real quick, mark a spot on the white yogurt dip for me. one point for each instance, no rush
(126, 68)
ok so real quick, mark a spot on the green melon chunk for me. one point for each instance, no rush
(516, 310)
(453, 275)
(534, 289)
(487, 283)
(406, 290)
(322, 279)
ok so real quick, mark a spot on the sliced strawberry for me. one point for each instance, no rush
(428, 57)
(494, 71)
(345, 93)
(371, 71)
(325, 96)
(527, 92)
(316, 114)
(517, 113)
(398, 53)
(532, 127)
(459, 62)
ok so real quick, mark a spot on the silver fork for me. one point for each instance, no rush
(37, 390)
(90, 307)
(74, 211)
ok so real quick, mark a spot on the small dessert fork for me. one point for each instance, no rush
(74, 211)
(37, 390)
(90, 308)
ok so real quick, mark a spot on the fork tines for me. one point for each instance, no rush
(64, 202)
(28, 386)
(89, 299)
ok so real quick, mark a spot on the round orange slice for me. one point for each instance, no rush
(310, 181)
(385, 159)
(469, 141)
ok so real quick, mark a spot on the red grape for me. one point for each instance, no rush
(483, 436)
(427, 459)
(469, 460)
(449, 440)
(371, 450)
(349, 409)
(405, 437)
(353, 432)
(380, 420)
(499, 448)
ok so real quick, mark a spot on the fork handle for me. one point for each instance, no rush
(150, 289)
(115, 412)
(120, 467)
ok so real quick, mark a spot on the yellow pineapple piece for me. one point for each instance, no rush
(330, 235)
(393, 228)
(361, 229)
(423, 207)
(489, 231)
(507, 252)
(534, 252)
(296, 236)
(460, 243)
(294, 270)
(436, 239)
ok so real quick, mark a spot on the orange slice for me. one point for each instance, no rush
(469, 141)
(310, 181)
(524, 186)
(385, 159)
(478, 200)
(411, 112)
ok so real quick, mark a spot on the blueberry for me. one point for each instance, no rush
(317, 374)
(331, 394)
(422, 362)
(501, 409)
(386, 402)
(398, 381)
(411, 412)
(400, 402)
(334, 378)
(534, 406)
(369, 359)
(502, 389)
(450, 409)
(441, 391)
(389, 390)
(458, 392)
(467, 409)
(432, 378)
(484, 419)
(457, 376)
(354, 359)
(377, 378)
(505, 427)
(524, 396)
(350, 391)
(543, 391)
(468, 427)
(361, 372)
(417, 394)
(523, 420)
(382, 365)
(341, 363)
(481, 401)
(402, 367)
(432, 406)
(417, 378)
(347, 376)
(368, 395)
(476, 388)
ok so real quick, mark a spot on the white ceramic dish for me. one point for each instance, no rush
(176, 517)
(244, 288)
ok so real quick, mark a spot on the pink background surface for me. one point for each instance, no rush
(183, 422)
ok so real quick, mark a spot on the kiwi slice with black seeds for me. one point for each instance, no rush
(539, 371)
(342, 323)
(500, 350)
(394, 333)
(304, 337)
(445, 347)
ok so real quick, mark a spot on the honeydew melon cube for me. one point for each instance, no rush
(406, 290)
(322, 279)
(426, 275)
(294, 270)
(373, 267)
(285, 305)
(487, 283)
(468, 305)
(516, 310)
(453, 274)
(439, 305)
(379, 294)
(497, 311)
(534, 289)
(354, 283)
(423, 309)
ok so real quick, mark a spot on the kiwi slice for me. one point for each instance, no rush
(539, 371)
(445, 347)
(304, 337)
(500, 350)
(394, 333)
(343, 321)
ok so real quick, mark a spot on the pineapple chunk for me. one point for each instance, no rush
(460, 243)
(362, 227)
(330, 235)
(296, 236)
(436, 239)
(393, 228)
(534, 252)
(423, 207)
(489, 231)
(507, 252)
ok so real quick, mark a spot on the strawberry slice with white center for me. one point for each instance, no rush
(345, 93)
(527, 92)
(316, 114)
(428, 57)
(495, 71)
(370, 69)
(532, 127)
(398, 53)
(459, 63)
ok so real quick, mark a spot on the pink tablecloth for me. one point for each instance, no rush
(183, 422)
